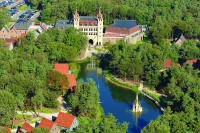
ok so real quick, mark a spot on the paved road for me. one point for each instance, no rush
(16, 16)
(34, 17)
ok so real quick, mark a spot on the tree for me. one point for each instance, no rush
(57, 82)
(62, 45)
(28, 40)
(46, 13)
(4, 16)
(34, 3)
(110, 125)
(85, 100)
(7, 108)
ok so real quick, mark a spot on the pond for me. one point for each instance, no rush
(119, 101)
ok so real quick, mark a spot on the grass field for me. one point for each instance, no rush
(23, 7)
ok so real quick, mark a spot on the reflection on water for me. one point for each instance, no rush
(119, 101)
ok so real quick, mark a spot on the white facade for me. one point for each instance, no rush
(91, 26)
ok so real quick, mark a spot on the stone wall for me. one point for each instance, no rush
(132, 40)
(111, 40)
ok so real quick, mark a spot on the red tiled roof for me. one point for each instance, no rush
(111, 29)
(15, 38)
(46, 123)
(191, 62)
(65, 120)
(27, 127)
(62, 68)
(9, 41)
(71, 79)
(23, 34)
(167, 63)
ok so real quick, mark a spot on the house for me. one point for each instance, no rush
(128, 30)
(64, 69)
(5, 32)
(10, 43)
(13, 32)
(11, 36)
(5, 129)
(22, 26)
(26, 128)
(50, 125)
(66, 122)
(180, 41)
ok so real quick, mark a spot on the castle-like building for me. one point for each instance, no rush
(92, 27)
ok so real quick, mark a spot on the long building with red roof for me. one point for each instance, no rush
(63, 68)
(129, 30)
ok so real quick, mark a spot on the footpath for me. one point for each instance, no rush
(141, 88)
(46, 115)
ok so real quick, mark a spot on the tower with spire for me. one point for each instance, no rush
(76, 19)
(100, 27)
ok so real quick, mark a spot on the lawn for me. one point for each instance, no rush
(48, 110)
(9, 25)
(156, 97)
(23, 7)
(83, 120)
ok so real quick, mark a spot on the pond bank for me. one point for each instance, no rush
(119, 83)
(152, 96)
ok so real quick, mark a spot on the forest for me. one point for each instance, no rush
(179, 83)
(27, 81)
(166, 19)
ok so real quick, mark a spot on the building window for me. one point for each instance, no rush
(95, 23)
(90, 23)
(80, 24)
(85, 23)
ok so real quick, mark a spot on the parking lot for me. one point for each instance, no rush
(15, 13)
(6, 3)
